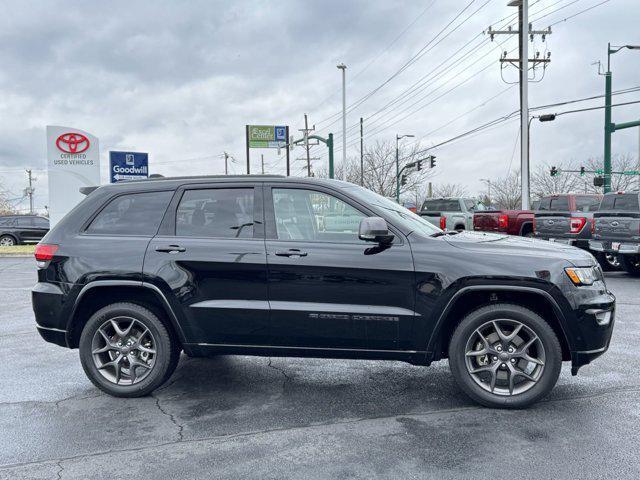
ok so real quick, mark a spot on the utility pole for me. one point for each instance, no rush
(262, 162)
(305, 137)
(398, 138)
(29, 191)
(226, 163)
(361, 152)
(343, 67)
(522, 62)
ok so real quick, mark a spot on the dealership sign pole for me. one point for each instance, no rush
(73, 161)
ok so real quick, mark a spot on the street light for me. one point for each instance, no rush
(343, 67)
(545, 117)
(398, 138)
(609, 128)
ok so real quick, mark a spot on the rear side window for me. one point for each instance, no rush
(216, 212)
(587, 203)
(626, 202)
(441, 206)
(24, 222)
(41, 222)
(132, 214)
(554, 204)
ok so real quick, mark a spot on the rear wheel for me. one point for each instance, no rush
(7, 241)
(126, 350)
(631, 264)
(608, 261)
(505, 356)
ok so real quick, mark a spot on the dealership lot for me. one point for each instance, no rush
(243, 417)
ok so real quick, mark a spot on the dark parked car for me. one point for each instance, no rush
(268, 265)
(617, 229)
(18, 229)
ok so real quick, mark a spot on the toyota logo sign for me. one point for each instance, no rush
(72, 143)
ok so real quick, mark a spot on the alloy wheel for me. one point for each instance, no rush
(123, 350)
(7, 242)
(505, 357)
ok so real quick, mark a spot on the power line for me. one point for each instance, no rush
(580, 12)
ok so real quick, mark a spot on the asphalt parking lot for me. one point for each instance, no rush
(252, 417)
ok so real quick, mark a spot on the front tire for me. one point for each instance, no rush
(505, 356)
(126, 351)
(631, 264)
(608, 261)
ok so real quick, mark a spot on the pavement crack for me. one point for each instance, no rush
(60, 469)
(172, 418)
(286, 379)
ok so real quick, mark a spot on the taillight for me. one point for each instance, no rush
(503, 221)
(44, 252)
(577, 223)
(443, 222)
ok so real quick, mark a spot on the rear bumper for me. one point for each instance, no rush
(47, 300)
(574, 242)
(614, 247)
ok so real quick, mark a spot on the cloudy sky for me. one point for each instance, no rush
(180, 80)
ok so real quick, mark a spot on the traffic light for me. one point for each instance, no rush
(554, 171)
(419, 165)
(582, 171)
(598, 181)
(403, 180)
(432, 161)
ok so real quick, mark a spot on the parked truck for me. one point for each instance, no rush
(451, 213)
(511, 222)
(616, 230)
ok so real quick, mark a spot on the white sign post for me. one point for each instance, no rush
(73, 159)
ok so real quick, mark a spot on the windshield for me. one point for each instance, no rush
(397, 214)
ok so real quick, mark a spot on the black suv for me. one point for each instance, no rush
(17, 229)
(268, 265)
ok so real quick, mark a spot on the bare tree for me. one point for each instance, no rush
(449, 190)
(505, 191)
(5, 205)
(379, 173)
(542, 183)
(619, 163)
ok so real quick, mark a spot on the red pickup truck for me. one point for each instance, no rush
(511, 222)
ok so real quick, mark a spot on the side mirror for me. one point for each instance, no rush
(375, 229)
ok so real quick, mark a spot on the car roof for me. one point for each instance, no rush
(174, 182)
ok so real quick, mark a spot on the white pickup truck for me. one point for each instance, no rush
(451, 213)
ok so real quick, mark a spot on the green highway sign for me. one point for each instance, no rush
(267, 136)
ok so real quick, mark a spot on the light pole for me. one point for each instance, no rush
(343, 67)
(609, 127)
(488, 182)
(398, 138)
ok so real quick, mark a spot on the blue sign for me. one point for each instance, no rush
(280, 134)
(128, 166)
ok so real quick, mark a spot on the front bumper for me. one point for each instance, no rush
(614, 247)
(593, 329)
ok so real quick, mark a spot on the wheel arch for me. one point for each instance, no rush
(12, 235)
(470, 298)
(101, 293)
(526, 227)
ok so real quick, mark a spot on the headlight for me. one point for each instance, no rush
(583, 275)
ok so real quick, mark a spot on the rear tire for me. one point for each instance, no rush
(133, 359)
(631, 264)
(608, 261)
(505, 377)
(7, 241)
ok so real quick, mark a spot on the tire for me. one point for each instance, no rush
(631, 264)
(545, 348)
(608, 262)
(7, 241)
(459, 228)
(149, 370)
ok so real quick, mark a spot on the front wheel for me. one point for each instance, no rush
(608, 261)
(126, 350)
(505, 356)
(631, 264)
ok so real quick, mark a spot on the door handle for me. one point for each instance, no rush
(170, 249)
(292, 252)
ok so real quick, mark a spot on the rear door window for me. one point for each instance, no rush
(587, 203)
(554, 204)
(216, 212)
(625, 202)
(131, 214)
(441, 206)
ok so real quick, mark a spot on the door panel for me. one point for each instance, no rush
(342, 293)
(215, 264)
